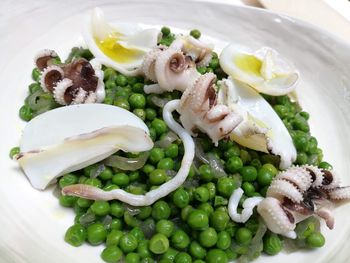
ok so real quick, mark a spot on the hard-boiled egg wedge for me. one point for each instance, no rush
(264, 70)
(70, 138)
(121, 46)
(262, 129)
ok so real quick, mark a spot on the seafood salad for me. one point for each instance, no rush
(169, 150)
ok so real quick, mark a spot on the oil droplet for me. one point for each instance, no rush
(248, 63)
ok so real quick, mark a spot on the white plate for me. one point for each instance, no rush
(32, 224)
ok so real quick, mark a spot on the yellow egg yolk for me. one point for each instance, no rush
(112, 49)
(248, 63)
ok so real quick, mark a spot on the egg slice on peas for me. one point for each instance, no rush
(264, 70)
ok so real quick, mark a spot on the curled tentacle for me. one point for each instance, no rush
(278, 219)
(50, 77)
(44, 58)
(297, 176)
(94, 193)
(339, 193)
(280, 188)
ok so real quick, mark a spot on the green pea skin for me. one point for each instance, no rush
(208, 237)
(243, 236)
(216, 256)
(196, 250)
(201, 194)
(219, 220)
(96, 234)
(128, 243)
(272, 244)
(185, 212)
(325, 165)
(75, 235)
(166, 164)
(183, 257)
(114, 237)
(181, 198)
(111, 254)
(132, 258)
(159, 244)
(315, 240)
(198, 219)
(68, 179)
(180, 239)
(165, 227)
(220, 201)
(160, 210)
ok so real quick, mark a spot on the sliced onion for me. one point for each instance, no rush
(159, 102)
(132, 210)
(166, 140)
(199, 152)
(216, 166)
(87, 218)
(148, 227)
(40, 100)
(106, 221)
(97, 171)
(170, 173)
(127, 164)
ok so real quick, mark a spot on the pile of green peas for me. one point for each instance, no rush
(192, 223)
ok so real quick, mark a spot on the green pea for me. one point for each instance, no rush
(172, 151)
(68, 179)
(159, 126)
(198, 219)
(195, 33)
(151, 114)
(205, 172)
(166, 164)
(271, 168)
(220, 201)
(110, 84)
(145, 212)
(106, 174)
(100, 208)
(75, 235)
(147, 260)
(206, 207)
(148, 168)
(245, 156)
(143, 249)
(121, 179)
(109, 74)
(264, 177)
(121, 80)
(302, 158)
(201, 194)
(140, 113)
(130, 220)
(156, 154)
(299, 123)
(181, 198)
(325, 166)
(300, 141)
(231, 255)
(248, 189)
(84, 203)
(116, 224)
(114, 237)
(198, 261)
(180, 239)
(216, 256)
(93, 182)
(132, 258)
(185, 212)
(34, 87)
(36, 73)
(157, 177)
(159, 244)
(134, 176)
(14, 151)
(243, 236)
(128, 243)
(208, 237)
(233, 164)
(165, 227)
(225, 186)
(96, 234)
(214, 63)
(160, 210)
(249, 173)
(256, 163)
(315, 240)
(183, 257)
(224, 240)
(219, 220)
(122, 103)
(138, 233)
(281, 110)
(202, 70)
(25, 113)
(137, 101)
(117, 209)
(110, 186)
(233, 151)
(212, 189)
(111, 254)
(138, 88)
(170, 254)
(165, 31)
(272, 244)
(196, 250)
(67, 201)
